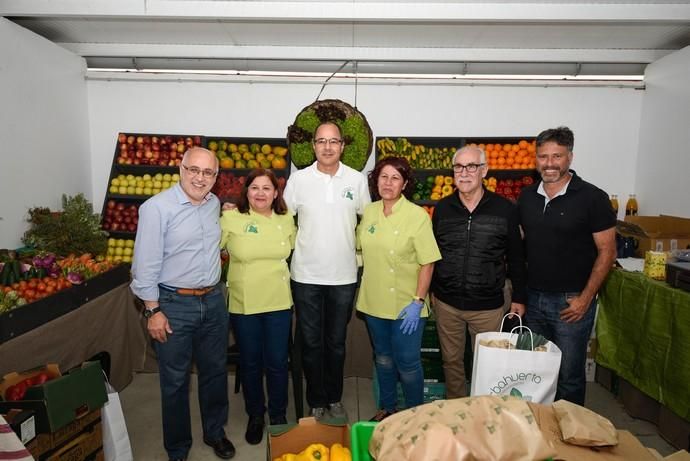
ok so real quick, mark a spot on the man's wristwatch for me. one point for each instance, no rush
(418, 300)
(148, 313)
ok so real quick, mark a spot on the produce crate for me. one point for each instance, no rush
(47, 443)
(360, 434)
(62, 400)
(25, 318)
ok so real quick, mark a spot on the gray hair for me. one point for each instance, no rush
(462, 150)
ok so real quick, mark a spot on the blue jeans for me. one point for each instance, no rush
(397, 355)
(323, 312)
(543, 317)
(263, 344)
(200, 332)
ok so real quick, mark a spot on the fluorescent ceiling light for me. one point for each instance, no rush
(349, 75)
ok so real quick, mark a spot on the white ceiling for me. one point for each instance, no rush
(508, 36)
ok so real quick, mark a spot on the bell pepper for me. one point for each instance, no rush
(314, 452)
(340, 453)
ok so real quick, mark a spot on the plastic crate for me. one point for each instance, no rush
(360, 434)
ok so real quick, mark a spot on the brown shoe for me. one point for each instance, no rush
(381, 415)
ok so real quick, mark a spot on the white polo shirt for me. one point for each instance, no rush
(327, 208)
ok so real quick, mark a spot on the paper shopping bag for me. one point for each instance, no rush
(529, 374)
(116, 445)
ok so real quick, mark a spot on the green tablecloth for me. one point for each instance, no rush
(643, 334)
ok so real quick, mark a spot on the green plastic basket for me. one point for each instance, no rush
(360, 434)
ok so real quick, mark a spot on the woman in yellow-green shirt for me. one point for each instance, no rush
(398, 250)
(259, 236)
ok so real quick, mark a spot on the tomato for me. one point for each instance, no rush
(41, 287)
(50, 289)
(46, 279)
(40, 378)
(32, 283)
(22, 285)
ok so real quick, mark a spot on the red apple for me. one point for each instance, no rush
(130, 139)
(132, 227)
(121, 138)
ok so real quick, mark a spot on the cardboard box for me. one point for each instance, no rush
(60, 401)
(44, 443)
(293, 439)
(681, 455)
(628, 448)
(656, 233)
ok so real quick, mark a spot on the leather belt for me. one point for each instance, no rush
(190, 291)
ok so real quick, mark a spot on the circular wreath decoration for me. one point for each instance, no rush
(353, 127)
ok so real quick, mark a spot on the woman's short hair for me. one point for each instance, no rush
(402, 166)
(278, 206)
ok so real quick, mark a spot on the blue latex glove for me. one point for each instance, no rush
(410, 317)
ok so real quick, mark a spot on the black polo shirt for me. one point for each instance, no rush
(559, 243)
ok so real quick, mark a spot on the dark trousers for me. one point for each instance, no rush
(323, 312)
(200, 333)
(263, 343)
(543, 317)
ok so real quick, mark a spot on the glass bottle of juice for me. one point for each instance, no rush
(614, 203)
(631, 206)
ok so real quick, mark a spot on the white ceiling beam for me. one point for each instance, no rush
(364, 53)
(365, 11)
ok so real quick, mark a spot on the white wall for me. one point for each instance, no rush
(43, 127)
(605, 120)
(663, 168)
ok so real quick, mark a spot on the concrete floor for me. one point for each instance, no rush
(141, 406)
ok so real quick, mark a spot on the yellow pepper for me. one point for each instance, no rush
(287, 457)
(314, 452)
(340, 453)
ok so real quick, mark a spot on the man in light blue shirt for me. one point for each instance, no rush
(176, 273)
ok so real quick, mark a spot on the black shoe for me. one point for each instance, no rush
(276, 420)
(255, 430)
(223, 448)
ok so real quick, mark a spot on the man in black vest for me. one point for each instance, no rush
(478, 234)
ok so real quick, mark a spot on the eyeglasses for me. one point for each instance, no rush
(194, 171)
(470, 167)
(324, 141)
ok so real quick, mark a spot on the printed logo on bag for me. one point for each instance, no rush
(348, 193)
(371, 229)
(510, 384)
(251, 228)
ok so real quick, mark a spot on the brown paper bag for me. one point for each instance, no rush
(580, 426)
(473, 428)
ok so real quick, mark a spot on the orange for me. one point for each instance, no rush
(523, 144)
(279, 163)
(489, 147)
(227, 163)
(501, 161)
(515, 148)
(531, 149)
(482, 146)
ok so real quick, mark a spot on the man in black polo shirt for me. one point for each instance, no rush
(569, 229)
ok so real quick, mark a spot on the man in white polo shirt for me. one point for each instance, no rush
(327, 197)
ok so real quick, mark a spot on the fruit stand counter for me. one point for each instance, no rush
(110, 322)
(643, 334)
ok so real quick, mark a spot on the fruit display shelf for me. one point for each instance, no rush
(145, 164)
(510, 159)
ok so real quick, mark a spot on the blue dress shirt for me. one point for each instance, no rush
(177, 243)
